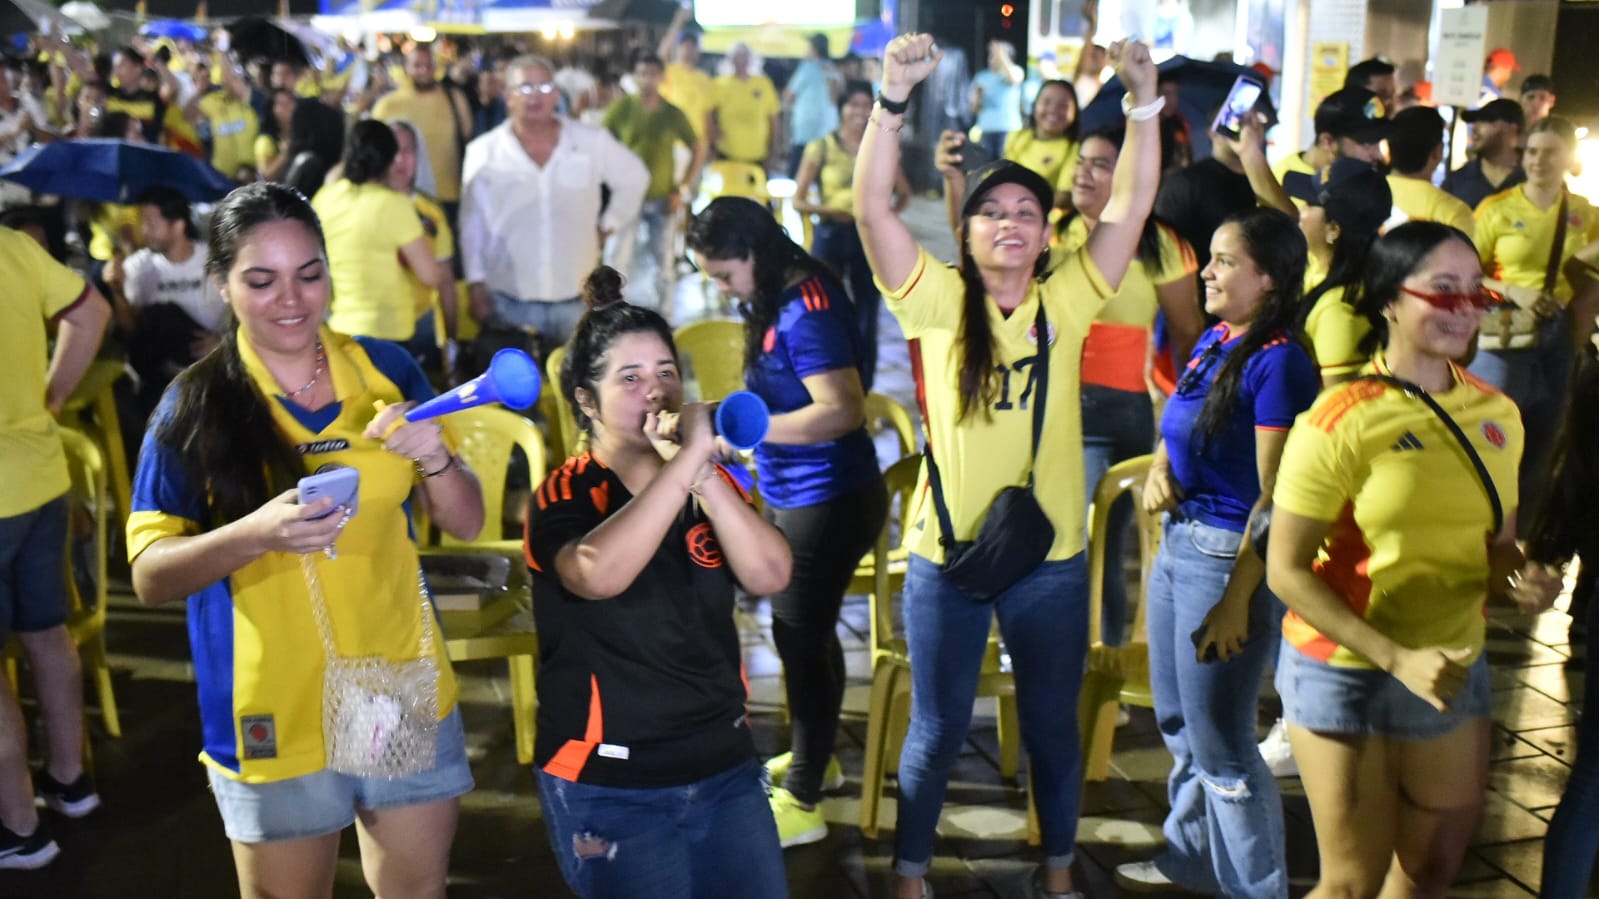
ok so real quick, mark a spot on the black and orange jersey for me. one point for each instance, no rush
(646, 688)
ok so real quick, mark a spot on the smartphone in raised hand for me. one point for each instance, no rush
(1240, 105)
(340, 484)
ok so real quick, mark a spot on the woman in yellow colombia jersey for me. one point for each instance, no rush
(978, 334)
(1383, 545)
(216, 520)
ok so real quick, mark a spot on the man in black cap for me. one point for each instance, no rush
(1352, 123)
(1495, 148)
(1537, 98)
(1376, 75)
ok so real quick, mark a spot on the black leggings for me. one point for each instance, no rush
(828, 540)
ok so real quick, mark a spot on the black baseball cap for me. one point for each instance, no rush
(1355, 113)
(1353, 192)
(1003, 171)
(1537, 83)
(1500, 110)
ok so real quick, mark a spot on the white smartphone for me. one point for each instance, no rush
(341, 484)
(1241, 100)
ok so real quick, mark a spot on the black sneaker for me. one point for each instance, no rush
(26, 853)
(74, 800)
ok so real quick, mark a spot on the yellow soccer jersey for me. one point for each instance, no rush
(234, 128)
(744, 109)
(1514, 237)
(258, 656)
(1419, 201)
(1335, 330)
(38, 289)
(1408, 550)
(983, 454)
(436, 228)
(1055, 159)
(366, 225)
(1118, 343)
(690, 90)
(835, 170)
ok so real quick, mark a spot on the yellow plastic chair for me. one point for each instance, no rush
(86, 621)
(727, 178)
(485, 437)
(1115, 674)
(715, 351)
(884, 409)
(889, 709)
(92, 409)
(564, 438)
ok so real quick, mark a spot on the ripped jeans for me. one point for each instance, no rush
(715, 838)
(1224, 834)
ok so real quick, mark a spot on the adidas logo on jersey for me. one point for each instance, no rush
(1407, 442)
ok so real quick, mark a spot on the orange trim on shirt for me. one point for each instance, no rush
(1114, 355)
(1346, 570)
(1338, 405)
(568, 761)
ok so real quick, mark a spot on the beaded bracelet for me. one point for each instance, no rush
(882, 126)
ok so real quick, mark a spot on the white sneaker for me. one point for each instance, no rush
(1278, 753)
(1142, 877)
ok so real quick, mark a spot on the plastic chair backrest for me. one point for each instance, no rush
(86, 464)
(484, 438)
(566, 421)
(1122, 478)
(715, 352)
(737, 179)
(900, 481)
(881, 407)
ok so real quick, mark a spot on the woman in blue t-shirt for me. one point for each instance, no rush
(1222, 435)
(818, 473)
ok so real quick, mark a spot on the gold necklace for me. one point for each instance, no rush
(321, 363)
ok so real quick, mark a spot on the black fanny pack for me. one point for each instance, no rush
(1015, 535)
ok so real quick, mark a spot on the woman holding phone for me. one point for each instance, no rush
(216, 519)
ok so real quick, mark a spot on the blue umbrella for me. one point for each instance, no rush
(1201, 86)
(175, 30)
(112, 171)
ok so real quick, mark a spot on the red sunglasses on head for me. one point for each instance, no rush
(1483, 298)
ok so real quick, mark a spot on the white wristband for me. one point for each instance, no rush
(1142, 113)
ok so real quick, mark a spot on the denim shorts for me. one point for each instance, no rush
(1366, 701)
(325, 802)
(33, 586)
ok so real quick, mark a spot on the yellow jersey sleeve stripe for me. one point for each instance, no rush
(145, 528)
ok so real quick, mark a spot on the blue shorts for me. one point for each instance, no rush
(33, 585)
(1366, 701)
(325, 802)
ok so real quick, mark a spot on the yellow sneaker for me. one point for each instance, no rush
(796, 824)
(832, 776)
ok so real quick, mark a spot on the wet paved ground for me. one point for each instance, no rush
(158, 834)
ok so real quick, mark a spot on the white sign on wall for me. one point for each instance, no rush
(1462, 46)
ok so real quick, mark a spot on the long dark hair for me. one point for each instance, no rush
(1566, 521)
(1394, 257)
(369, 151)
(1077, 109)
(978, 380)
(608, 319)
(740, 228)
(221, 427)
(1277, 248)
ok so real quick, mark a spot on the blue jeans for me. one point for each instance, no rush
(1224, 834)
(650, 274)
(33, 589)
(554, 320)
(715, 838)
(1044, 620)
(839, 245)
(1117, 425)
(1573, 839)
(1536, 379)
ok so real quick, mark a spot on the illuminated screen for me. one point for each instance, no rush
(723, 13)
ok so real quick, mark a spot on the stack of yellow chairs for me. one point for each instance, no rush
(714, 351)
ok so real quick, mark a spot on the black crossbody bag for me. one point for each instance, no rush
(1015, 535)
(1261, 526)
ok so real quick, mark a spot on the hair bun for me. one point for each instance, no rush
(602, 289)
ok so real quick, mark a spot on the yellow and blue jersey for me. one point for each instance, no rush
(258, 656)
(814, 333)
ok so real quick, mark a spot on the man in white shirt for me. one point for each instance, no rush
(531, 219)
(170, 311)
